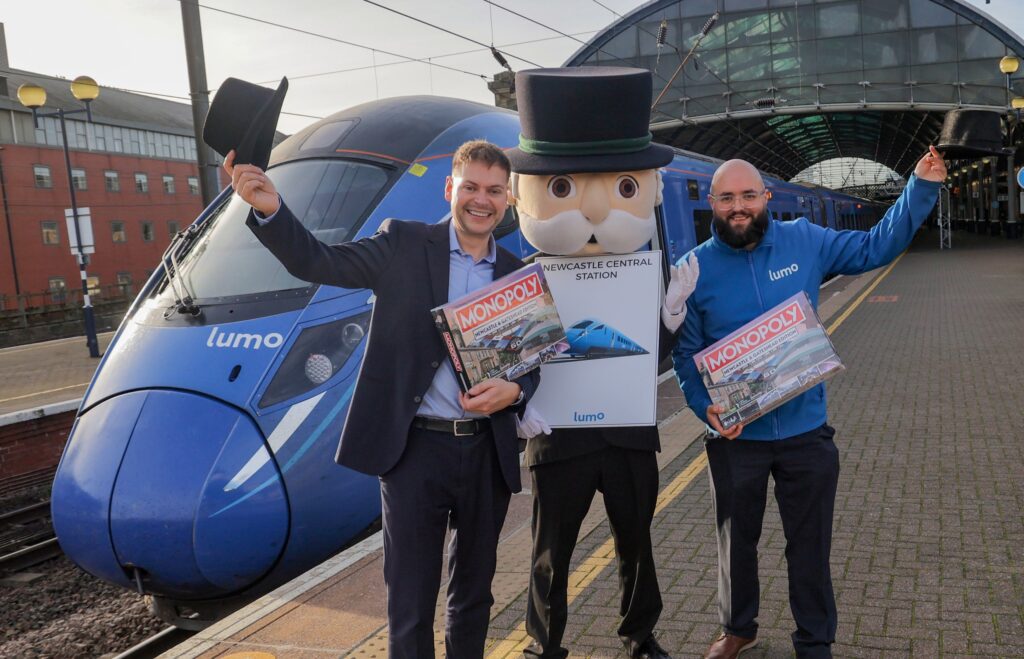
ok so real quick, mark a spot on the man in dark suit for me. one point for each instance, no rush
(445, 459)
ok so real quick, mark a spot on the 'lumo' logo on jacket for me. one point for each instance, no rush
(587, 418)
(776, 275)
(219, 339)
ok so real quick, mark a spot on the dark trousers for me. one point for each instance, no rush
(441, 481)
(806, 470)
(562, 493)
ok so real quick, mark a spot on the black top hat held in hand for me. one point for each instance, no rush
(585, 119)
(243, 117)
(971, 134)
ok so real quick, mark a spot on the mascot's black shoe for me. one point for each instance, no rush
(649, 649)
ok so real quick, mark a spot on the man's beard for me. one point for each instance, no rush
(751, 235)
(569, 232)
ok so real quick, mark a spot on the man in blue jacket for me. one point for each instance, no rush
(749, 265)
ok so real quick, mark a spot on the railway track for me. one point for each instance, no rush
(27, 537)
(157, 644)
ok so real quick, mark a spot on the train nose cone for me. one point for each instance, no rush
(197, 507)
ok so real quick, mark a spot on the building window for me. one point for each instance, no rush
(141, 183)
(93, 282)
(43, 178)
(117, 233)
(147, 232)
(172, 228)
(124, 282)
(51, 233)
(78, 179)
(58, 290)
(168, 184)
(692, 189)
(193, 185)
(112, 181)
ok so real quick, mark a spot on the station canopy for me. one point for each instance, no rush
(787, 84)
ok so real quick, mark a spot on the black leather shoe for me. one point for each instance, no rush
(649, 649)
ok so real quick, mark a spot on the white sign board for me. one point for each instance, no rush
(609, 305)
(84, 228)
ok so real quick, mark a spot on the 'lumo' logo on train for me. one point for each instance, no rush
(587, 418)
(219, 339)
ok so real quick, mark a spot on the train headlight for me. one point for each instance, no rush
(319, 368)
(352, 334)
(315, 357)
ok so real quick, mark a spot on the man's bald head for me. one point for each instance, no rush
(736, 176)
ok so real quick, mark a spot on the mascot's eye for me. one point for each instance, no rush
(562, 187)
(627, 187)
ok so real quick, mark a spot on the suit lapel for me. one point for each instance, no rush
(504, 263)
(439, 261)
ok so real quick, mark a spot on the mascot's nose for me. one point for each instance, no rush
(594, 204)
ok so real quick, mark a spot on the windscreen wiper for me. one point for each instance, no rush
(184, 302)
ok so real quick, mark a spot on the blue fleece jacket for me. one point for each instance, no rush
(736, 285)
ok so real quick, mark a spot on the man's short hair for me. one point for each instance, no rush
(480, 151)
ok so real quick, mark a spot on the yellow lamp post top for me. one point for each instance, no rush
(32, 96)
(85, 88)
(1009, 64)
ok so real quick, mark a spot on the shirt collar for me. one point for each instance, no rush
(454, 246)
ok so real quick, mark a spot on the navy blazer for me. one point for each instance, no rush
(406, 265)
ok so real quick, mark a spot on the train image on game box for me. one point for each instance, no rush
(200, 469)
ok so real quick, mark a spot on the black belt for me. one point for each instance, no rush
(457, 427)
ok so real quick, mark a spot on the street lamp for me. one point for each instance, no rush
(86, 90)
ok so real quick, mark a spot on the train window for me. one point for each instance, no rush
(786, 217)
(692, 189)
(327, 135)
(330, 197)
(702, 225)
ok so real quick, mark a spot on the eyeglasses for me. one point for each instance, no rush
(728, 199)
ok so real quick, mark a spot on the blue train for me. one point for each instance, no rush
(592, 339)
(200, 469)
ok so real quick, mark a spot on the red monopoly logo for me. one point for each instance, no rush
(757, 335)
(451, 351)
(499, 302)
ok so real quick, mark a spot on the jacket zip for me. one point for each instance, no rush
(760, 299)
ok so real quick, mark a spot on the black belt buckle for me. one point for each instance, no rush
(470, 424)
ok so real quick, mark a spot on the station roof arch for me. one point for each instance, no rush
(787, 84)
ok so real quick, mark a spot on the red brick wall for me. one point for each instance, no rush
(29, 205)
(34, 444)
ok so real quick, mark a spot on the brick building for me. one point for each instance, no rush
(134, 166)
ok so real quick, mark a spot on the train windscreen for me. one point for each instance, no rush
(332, 198)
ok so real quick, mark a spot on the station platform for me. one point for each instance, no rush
(38, 375)
(928, 549)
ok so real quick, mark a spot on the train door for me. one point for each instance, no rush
(676, 229)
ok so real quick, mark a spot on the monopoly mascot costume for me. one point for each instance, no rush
(585, 182)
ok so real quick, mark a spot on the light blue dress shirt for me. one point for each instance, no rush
(465, 275)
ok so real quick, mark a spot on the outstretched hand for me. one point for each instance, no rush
(252, 185)
(682, 281)
(931, 167)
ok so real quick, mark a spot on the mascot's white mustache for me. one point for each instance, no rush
(567, 233)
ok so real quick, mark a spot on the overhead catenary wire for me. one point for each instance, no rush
(342, 41)
(445, 30)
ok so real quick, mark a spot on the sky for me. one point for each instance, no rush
(138, 44)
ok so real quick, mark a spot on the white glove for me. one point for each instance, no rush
(682, 281)
(532, 424)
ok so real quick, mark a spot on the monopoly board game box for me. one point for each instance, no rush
(770, 360)
(502, 330)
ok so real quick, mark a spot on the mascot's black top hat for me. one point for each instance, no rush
(243, 117)
(585, 119)
(971, 134)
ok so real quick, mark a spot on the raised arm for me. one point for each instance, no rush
(357, 264)
(853, 252)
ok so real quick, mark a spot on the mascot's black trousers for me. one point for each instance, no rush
(562, 494)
